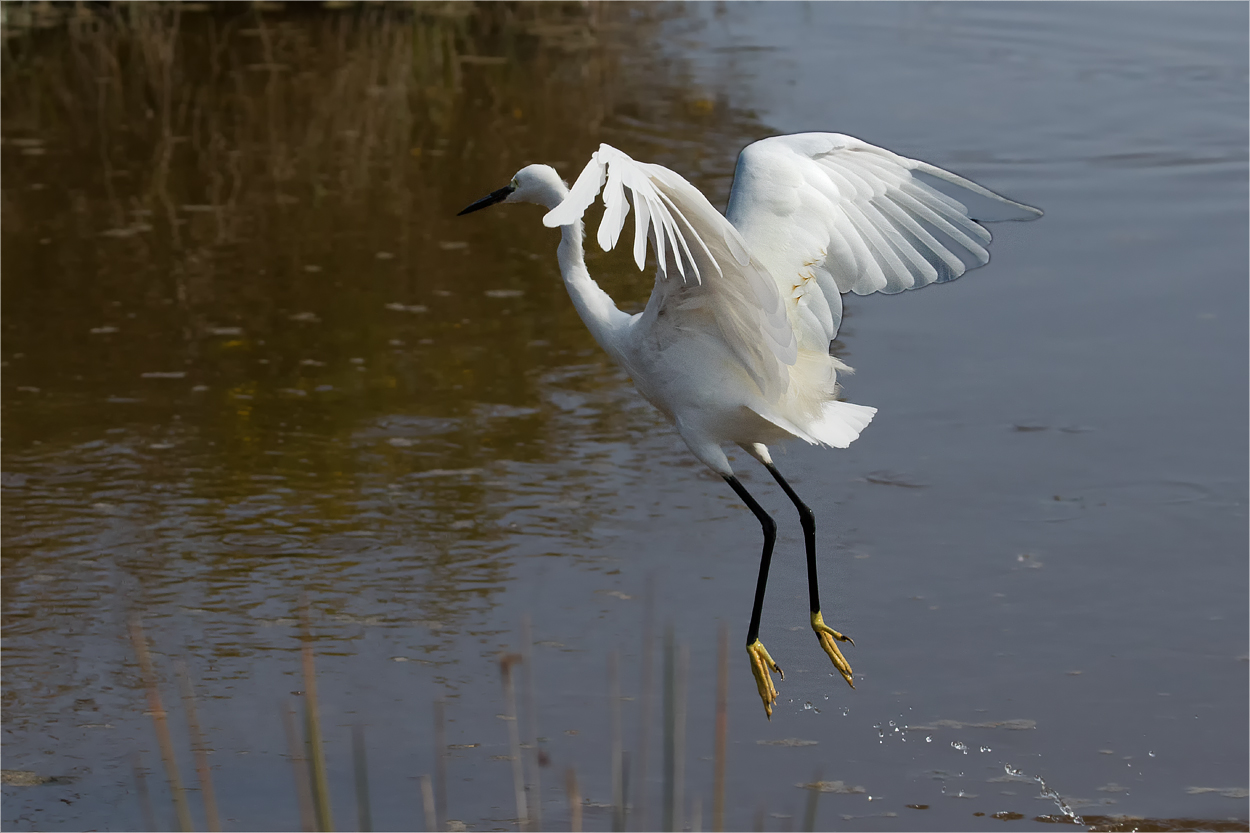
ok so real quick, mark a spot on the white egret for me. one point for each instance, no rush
(734, 343)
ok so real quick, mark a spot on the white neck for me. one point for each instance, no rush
(601, 316)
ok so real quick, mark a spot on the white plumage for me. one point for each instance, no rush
(733, 345)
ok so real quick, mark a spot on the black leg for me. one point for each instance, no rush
(761, 662)
(828, 636)
(766, 557)
(808, 520)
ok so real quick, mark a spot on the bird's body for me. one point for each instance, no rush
(734, 343)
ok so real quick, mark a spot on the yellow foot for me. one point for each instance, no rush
(761, 664)
(827, 635)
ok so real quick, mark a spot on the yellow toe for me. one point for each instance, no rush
(761, 664)
(829, 639)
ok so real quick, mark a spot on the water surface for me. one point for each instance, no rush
(250, 352)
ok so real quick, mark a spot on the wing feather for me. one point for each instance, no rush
(697, 251)
(847, 216)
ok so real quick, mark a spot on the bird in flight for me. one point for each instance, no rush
(734, 343)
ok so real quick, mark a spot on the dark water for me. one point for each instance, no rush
(249, 352)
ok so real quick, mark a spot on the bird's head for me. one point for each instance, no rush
(539, 184)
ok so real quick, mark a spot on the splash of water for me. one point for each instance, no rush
(1047, 792)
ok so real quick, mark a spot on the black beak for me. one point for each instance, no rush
(489, 200)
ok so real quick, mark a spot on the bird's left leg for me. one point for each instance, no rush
(829, 638)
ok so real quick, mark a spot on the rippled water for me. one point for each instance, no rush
(249, 352)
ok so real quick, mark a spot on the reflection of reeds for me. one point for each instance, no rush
(203, 158)
(676, 663)
(648, 703)
(618, 753)
(575, 800)
(234, 109)
(141, 791)
(312, 725)
(722, 730)
(161, 723)
(534, 783)
(427, 803)
(813, 799)
(440, 765)
(202, 769)
(299, 764)
(514, 739)
(364, 815)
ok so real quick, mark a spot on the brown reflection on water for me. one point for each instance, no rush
(249, 351)
(248, 348)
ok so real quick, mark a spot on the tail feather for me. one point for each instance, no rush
(841, 423)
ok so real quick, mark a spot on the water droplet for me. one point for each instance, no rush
(960, 745)
(846, 710)
(1151, 754)
(928, 739)
(891, 722)
(807, 705)
(986, 749)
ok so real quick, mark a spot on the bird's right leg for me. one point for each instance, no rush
(829, 638)
(761, 662)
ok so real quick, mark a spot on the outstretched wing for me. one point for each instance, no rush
(698, 252)
(828, 214)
